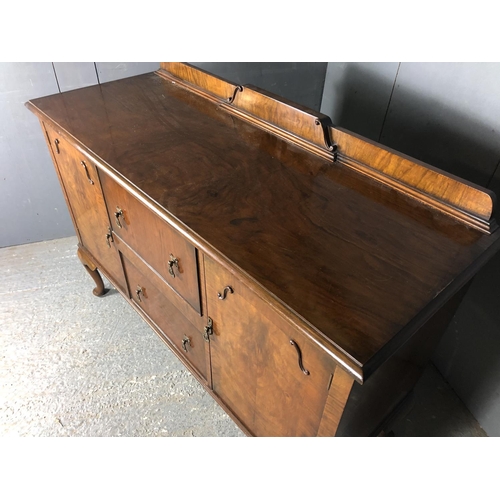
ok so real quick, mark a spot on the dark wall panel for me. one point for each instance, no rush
(299, 82)
(71, 75)
(32, 207)
(109, 71)
(356, 95)
(469, 353)
(447, 114)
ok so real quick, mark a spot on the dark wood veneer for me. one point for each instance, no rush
(153, 300)
(346, 245)
(255, 368)
(137, 225)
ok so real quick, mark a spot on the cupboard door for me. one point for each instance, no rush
(269, 375)
(83, 193)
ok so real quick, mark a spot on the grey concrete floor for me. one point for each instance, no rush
(72, 364)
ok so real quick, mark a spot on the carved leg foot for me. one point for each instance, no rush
(89, 266)
(99, 290)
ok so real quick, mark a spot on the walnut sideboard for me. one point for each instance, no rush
(302, 273)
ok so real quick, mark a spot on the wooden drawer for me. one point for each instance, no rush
(273, 378)
(180, 333)
(160, 245)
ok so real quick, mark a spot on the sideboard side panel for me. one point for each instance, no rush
(375, 402)
(335, 403)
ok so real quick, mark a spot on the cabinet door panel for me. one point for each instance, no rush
(256, 370)
(83, 192)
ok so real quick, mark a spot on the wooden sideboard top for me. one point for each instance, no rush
(353, 261)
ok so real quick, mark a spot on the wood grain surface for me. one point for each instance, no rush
(184, 337)
(201, 79)
(80, 182)
(274, 390)
(428, 184)
(357, 261)
(298, 120)
(154, 240)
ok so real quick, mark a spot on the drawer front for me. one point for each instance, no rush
(180, 333)
(273, 378)
(160, 245)
(158, 282)
(80, 182)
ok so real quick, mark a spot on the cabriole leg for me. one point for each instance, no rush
(90, 267)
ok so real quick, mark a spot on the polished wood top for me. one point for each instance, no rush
(360, 261)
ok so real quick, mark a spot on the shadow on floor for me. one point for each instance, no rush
(437, 411)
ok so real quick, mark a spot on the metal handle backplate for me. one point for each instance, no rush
(173, 262)
(139, 291)
(109, 237)
(84, 165)
(118, 214)
(186, 342)
(208, 330)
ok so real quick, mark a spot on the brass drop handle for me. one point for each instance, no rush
(56, 144)
(299, 354)
(118, 214)
(222, 296)
(173, 262)
(87, 172)
(185, 342)
(139, 291)
(208, 330)
(109, 237)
